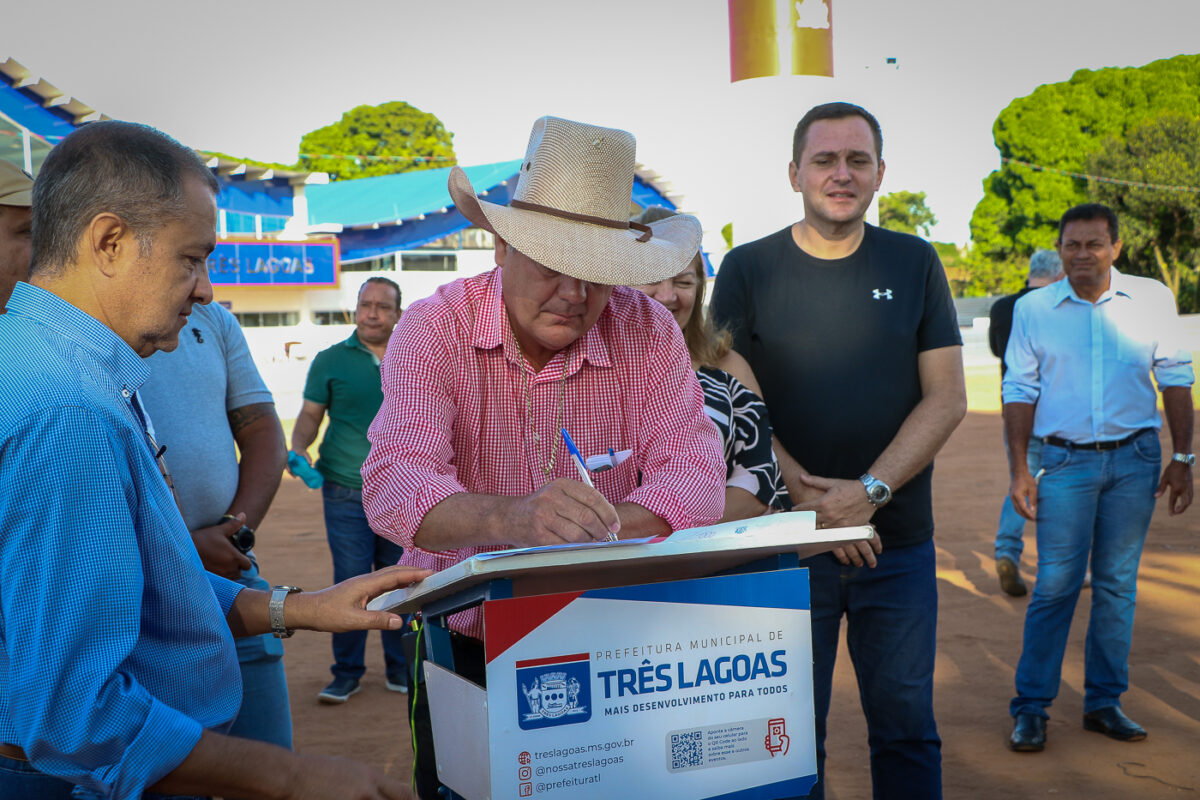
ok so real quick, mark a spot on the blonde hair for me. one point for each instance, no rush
(706, 344)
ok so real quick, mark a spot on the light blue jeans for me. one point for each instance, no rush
(1011, 528)
(1097, 502)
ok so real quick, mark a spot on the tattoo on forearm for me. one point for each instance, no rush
(239, 418)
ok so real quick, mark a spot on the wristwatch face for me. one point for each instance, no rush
(877, 491)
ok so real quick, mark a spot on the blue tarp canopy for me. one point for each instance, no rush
(25, 109)
(358, 244)
(404, 196)
(269, 198)
(272, 198)
(420, 200)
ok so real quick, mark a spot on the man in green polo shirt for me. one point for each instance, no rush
(344, 382)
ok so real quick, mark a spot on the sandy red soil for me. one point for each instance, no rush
(979, 638)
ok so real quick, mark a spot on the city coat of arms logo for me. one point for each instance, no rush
(554, 691)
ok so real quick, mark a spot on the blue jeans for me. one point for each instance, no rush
(20, 781)
(1009, 532)
(1097, 502)
(891, 632)
(357, 550)
(266, 715)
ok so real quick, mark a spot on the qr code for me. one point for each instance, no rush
(687, 749)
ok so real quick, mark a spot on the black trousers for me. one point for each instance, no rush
(469, 663)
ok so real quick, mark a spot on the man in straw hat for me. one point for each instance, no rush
(16, 196)
(479, 380)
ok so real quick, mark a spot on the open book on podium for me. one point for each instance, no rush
(689, 553)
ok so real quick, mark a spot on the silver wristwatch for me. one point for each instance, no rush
(878, 492)
(1185, 458)
(278, 594)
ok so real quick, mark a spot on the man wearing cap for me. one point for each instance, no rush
(16, 227)
(480, 379)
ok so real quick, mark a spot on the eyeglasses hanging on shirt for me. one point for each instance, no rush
(156, 450)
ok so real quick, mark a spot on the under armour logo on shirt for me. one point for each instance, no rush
(200, 339)
(882, 294)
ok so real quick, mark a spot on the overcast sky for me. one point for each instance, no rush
(251, 77)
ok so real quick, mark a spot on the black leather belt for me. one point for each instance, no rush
(1109, 445)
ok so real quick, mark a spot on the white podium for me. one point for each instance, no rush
(673, 667)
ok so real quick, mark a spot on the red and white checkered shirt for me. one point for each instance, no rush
(453, 416)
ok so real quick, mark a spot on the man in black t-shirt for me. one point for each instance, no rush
(852, 334)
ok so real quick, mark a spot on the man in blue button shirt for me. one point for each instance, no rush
(118, 672)
(1079, 363)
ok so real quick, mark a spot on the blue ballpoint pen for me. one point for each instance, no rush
(577, 457)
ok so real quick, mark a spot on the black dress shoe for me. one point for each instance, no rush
(1113, 723)
(1029, 734)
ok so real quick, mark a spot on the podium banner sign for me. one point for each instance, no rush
(698, 688)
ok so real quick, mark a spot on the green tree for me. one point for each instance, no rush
(1060, 126)
(987, 277)
(955, 266)
(380, 140)
(905, 212)
(1160, 228)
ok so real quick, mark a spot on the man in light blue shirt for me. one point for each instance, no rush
(1079, 362)
(118, 673)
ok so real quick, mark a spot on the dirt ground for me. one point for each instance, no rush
(979, 637)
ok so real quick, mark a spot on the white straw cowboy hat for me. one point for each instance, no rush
(570, 211)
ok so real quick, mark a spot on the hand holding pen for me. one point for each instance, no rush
(564, 511)
(577, 459)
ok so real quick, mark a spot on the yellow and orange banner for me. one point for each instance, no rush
(780, 37)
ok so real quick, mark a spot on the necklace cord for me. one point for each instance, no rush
(547, 465)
